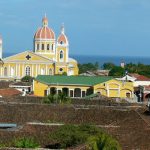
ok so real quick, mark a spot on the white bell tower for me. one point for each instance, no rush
(1, 47)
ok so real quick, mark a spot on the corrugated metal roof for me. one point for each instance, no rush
(71, 80)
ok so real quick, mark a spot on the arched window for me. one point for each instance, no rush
(42, 46)
(61, 55)
(52, 47)
(28, 71)
(61, 42)
(5, 71)
(47, 46)
(50, 72)
(38, 46)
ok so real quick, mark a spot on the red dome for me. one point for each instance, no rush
(62, 39)
(44, 33)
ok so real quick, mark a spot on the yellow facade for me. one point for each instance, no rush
(115, 88)
(111, 88)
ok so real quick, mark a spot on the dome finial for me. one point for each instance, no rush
(45, 21)
(62, 29)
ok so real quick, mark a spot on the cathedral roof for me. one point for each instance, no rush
(62, 39)
(44, 32)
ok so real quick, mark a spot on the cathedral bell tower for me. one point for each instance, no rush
(62, 46)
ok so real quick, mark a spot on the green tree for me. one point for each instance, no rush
(88, 67)
(117, 71)
(108, 66)
(27, 79)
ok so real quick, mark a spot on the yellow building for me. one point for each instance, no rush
(81, 86)
(50, 56)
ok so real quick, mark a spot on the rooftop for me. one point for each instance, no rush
(139, 77)
(9, 92)
(71, 80)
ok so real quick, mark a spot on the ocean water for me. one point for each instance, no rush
(104, 59)
(113, 59)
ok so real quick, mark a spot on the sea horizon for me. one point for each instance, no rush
(101, 59)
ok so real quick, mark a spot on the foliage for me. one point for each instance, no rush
(88, 67)
(130, 67)
(64, 73)
(103, 142)
(71, 135)
(26, 143)
(108, 66)
(27, 79)
(117, 71)
(60, 98)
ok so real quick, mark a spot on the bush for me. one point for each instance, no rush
(71, 135)
(26, 143)
(27, 79)
(57, 98)
(103, 142)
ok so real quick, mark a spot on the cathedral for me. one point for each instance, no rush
(50, 56)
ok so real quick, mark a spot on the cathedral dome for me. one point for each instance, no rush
(45, 32)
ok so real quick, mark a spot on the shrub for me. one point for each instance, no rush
(71, 135)
(103, 141)
(57, 98)
(26, 143)
(27, 79)
(67, 136)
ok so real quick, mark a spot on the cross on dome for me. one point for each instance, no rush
(45, 21)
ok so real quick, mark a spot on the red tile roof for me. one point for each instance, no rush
(139, 77)
(9, 92)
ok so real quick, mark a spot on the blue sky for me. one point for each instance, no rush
(94, 27)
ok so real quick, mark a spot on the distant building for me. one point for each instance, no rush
(96, 73)
(122, 64)
(50, 56)
(141, 85)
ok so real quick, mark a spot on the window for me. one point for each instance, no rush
(61, 55)
(52, 47)
(61, 69)
(28, 71)
(5, 71)
(38, 46)
(42, 46)
(47, 46)
(61, 42)
(128, 95)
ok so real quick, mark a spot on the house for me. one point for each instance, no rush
(141, 85)
(81, 86)
(22, 86)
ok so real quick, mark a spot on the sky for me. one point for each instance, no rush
(93, 27)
